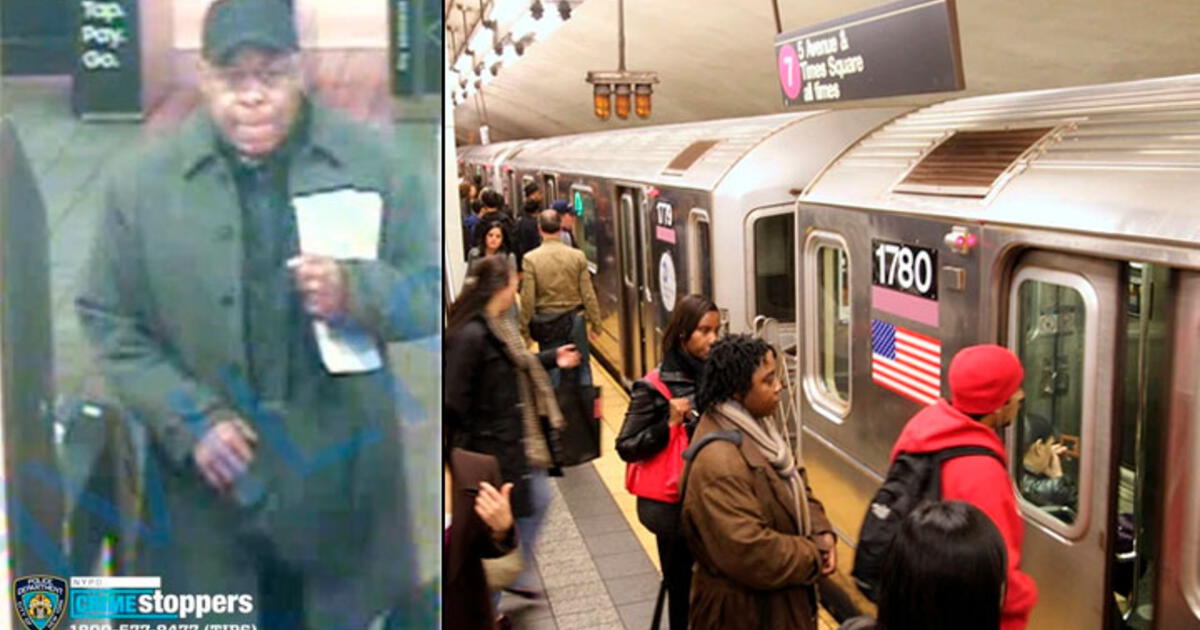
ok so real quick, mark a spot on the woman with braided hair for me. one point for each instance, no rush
(760, 538)
(497, 393)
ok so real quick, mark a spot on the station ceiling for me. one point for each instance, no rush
(716, 59)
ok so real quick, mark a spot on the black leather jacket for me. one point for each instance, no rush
(645, 431)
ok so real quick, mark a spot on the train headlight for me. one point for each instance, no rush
(602, 101)
(641, 100)
(623, 100)
(960, 240)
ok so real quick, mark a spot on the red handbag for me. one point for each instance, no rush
(657, 477)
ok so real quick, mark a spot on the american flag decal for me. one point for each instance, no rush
(905, 362)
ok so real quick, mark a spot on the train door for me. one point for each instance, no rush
(1066, 323)
(1178, 598)
(639, 343)
(512, 189)
(549, 189)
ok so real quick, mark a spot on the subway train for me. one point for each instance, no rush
(872, 244)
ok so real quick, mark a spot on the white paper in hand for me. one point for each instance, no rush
(342, 224)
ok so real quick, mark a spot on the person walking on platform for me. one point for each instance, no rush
(268, 473)
(493, 241)
(659, 403)
(493, 212)
(760, 537)
(481, 526)
(556, 286)
(986, 395)
(944, 571)
(497, 396)
(527, 236)
(474, 212)
(566, 216)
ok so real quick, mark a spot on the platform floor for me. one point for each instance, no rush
(598, 565)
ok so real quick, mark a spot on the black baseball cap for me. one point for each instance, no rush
(232, 24)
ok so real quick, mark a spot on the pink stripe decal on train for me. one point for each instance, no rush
(917, 309)
(664, 233)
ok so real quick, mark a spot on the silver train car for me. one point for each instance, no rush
(1063, 224)
(650, 201)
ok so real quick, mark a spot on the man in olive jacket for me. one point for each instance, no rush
(268, 474)
(558, 282)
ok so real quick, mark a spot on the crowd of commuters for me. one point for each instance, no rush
(743, 540)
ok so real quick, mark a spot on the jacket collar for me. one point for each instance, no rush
(553, 242)
(712, 422)
(200, 139)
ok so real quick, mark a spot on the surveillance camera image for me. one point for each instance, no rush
(221, 294)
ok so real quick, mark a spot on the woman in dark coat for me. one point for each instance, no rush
(481, 527)
(493, 240)
(496, 393)
(688, 337)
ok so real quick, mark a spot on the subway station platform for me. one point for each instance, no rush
(597, 564)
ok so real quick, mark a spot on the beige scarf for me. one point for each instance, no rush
(774, 448)
(533, 384)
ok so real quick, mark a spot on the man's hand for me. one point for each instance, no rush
(225, 452)
(827, 544)
(1054, 470)
(493, 508)
(567, 356)
(322, 283)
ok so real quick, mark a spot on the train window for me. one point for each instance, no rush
(700, 253)
(1051, 342)
(586, 222)
(827, 324)
(775, 266)
(520, 194)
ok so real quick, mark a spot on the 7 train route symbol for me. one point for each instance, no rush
(103, 36)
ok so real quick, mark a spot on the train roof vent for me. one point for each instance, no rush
(968, 163)
(689, 156)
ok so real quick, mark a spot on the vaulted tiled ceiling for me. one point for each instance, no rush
(716, 58)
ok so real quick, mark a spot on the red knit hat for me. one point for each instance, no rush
(983, 378)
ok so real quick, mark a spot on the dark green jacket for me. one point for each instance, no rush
(162, 306)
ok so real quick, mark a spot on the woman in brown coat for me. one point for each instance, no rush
(760, 537)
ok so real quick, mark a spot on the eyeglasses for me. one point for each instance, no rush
(270, 77)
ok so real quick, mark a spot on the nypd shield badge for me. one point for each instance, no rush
(40, 600)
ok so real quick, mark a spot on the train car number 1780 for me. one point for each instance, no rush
(907, 268)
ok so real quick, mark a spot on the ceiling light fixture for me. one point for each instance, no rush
(621, 82)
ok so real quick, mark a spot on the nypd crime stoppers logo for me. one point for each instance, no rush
(40, 600)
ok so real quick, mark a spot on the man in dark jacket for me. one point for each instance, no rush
(527, 236)
(272, 470)
(986, 394)
(566, 217)
(493, 212)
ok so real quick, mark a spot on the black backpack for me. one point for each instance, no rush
(913, 479)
